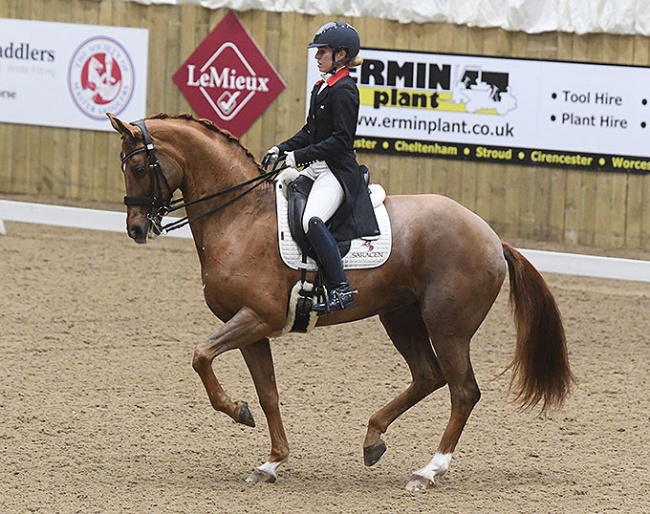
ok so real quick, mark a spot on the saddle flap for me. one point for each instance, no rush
(297, 193)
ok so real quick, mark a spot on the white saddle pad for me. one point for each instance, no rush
(364, 253)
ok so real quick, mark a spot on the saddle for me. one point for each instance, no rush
(292, 190)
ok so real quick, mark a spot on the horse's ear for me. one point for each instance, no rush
(126, 129)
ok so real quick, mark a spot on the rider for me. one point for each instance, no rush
(325, 145)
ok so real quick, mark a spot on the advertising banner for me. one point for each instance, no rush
(227, 79)
(71, 75)
(507, 110)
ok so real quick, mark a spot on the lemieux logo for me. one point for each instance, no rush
(227, 79)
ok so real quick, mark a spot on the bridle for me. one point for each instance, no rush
(155, 198)
(159, 207)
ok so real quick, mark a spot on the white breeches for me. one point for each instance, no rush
(326, 194)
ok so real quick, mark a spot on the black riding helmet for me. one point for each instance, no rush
(338, 36)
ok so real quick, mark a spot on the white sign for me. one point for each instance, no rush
(553, 113)
(70, 75)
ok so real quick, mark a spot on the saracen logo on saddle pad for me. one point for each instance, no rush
(227, 79)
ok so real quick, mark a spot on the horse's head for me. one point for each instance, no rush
(151, 176)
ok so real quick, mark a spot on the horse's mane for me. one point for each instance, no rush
(214, 128)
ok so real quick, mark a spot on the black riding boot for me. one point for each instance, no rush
(327, 251)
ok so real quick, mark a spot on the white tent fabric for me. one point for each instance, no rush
(531, 16)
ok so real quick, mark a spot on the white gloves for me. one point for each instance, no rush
(271, 156)
(290, 159)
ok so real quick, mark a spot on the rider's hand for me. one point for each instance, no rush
(290, 159)
(271, 156)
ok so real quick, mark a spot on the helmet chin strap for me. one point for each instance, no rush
(337, 64)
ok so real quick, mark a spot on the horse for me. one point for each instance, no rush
(443, 275)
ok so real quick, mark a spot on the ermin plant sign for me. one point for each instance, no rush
(227, 79)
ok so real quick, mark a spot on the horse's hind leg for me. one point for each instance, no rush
(409, 335)
(260, 364)
(453, 355)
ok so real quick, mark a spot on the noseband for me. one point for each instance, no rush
(162, 207)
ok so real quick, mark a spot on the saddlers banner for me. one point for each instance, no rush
(70, 75)
(534, 112)
(227, 79)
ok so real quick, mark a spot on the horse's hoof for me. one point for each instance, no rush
(373, 454)
(418, 484)
(244, 415)
(260, 477)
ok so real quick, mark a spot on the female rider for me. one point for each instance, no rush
(325, 145)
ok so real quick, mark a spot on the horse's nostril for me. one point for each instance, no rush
(137, 233)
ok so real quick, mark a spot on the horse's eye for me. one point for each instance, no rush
(139, 171)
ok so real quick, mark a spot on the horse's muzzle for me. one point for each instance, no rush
(138, 228)
(138, 233)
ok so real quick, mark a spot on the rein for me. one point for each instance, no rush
(168, 208)
(165, 207)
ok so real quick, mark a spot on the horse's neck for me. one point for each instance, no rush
(220, 233)
(214, 164)
(208, 179)
(213, 181)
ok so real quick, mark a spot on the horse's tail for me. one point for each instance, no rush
(540, 367)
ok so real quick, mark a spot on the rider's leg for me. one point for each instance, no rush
(324, 244)
(324, 199)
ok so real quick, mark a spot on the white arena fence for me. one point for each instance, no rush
(93, 219)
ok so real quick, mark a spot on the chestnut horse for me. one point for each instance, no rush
(441, 279)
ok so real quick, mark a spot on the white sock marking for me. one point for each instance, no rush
(438, 466)
(270, 468)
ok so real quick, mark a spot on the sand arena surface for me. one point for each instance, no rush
(101, 412)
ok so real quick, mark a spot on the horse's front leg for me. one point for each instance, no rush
(241, 331)
(260, 363)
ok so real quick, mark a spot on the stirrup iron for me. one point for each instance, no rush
(335, 300)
